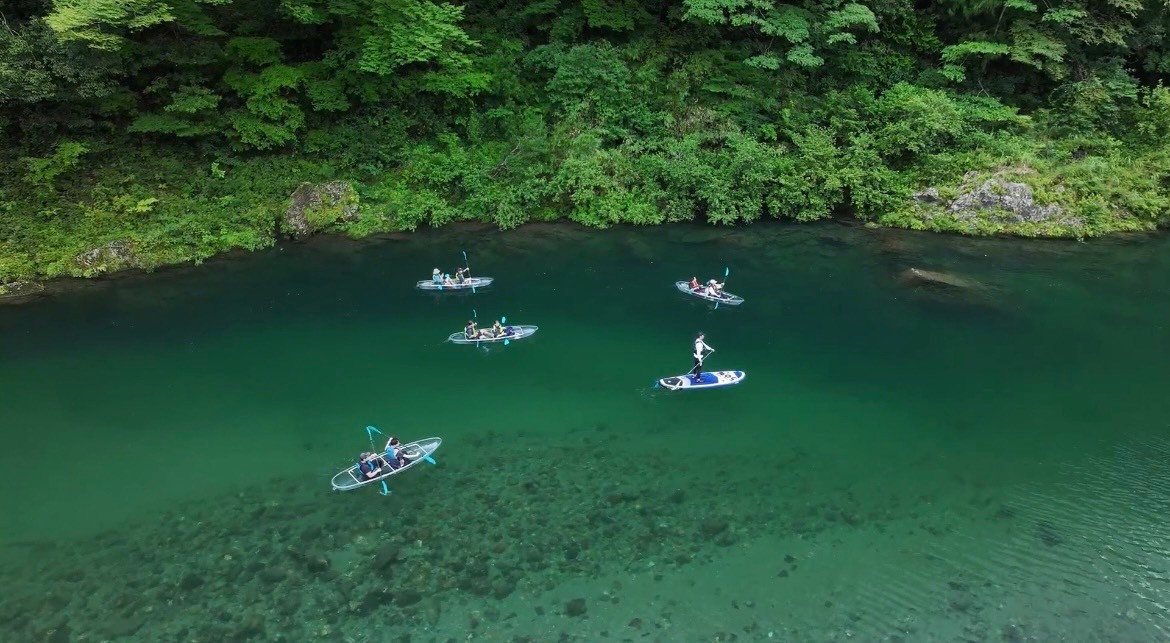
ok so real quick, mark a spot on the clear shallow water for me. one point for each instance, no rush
(987, 464)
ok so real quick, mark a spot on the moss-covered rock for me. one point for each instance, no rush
(320, 206)
(110, 257)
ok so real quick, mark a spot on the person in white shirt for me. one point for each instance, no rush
(700, 355)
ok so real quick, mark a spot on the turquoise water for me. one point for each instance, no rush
(901, 463)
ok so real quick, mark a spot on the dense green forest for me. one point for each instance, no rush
(143, 132)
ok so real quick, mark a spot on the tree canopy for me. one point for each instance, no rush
(602, 111)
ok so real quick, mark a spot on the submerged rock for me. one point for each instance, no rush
(120, 626)
(575, 607)
(920, 277)
(371, 601)
(1048, 534)
(712, 527)
(273, 575)
(190, 582)
(503, 588)
(315, 207)
(387, 555)
(407, 597)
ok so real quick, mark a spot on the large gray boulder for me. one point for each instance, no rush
(998, 200)
(1005, 200)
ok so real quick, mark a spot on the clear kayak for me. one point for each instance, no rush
(727, 298)
(706, 379)
(466, 284)
(415, 453)
(510, 332)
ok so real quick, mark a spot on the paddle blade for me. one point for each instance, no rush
(726, 272)
(370, 431)
(430, 459)
(385, 489)
(507, 341)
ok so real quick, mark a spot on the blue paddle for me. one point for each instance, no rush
(726, 272)
(503, 322)
(370, 431)
(468, 264)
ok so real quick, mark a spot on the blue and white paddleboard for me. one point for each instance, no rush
(706, 379)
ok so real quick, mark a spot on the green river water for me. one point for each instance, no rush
(902, 462)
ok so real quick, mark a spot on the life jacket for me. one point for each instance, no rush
(367, 466)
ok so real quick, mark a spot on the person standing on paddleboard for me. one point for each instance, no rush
(699, 356)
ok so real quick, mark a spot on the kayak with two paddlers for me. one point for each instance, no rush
(498, 332)
(461, 281)
(468, 284)
(379, 466)
(711, 291)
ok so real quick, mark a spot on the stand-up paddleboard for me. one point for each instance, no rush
(707, 379)
(727, 298)
(466, 284)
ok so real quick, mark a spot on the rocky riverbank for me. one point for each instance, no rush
(1015, 201)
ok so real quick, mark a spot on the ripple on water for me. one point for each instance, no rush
(1089, 554)
(1086, 557)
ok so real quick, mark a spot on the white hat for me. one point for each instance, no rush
(712, 282)
(435, 271)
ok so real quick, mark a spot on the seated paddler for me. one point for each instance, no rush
(368, 465)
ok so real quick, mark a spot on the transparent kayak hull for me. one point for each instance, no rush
(474, 282)
(415, 452)
(518, 332)
(727, 298)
